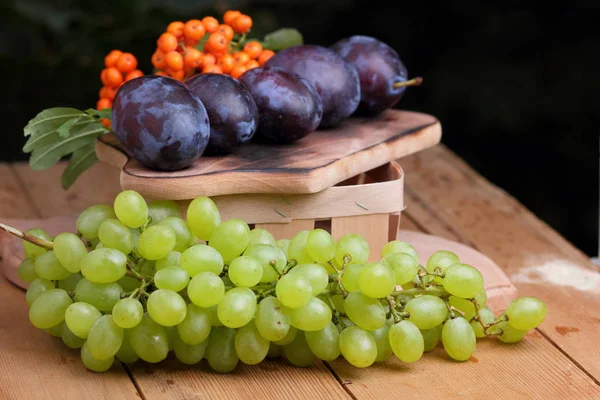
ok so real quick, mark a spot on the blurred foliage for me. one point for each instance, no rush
(513, 82)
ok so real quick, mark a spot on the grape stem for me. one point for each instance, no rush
(413, 82)
(433, 291)
(333, 266)
(392, 303)
(486, 327)
(336, 314)
(291, 264)
(134, 274)
(26, 236)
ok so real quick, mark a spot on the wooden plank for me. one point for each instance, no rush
(289, 230)
(310, 165)
(448, 198)
(99, 184)
(268, 380)
(374, 228)
(14, 200)
(532, 369)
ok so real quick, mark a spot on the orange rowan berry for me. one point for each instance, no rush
(103, 103)
(167, 42)
(226, 30)
(136, 73)
(158, 60)
(112, 77)
(253, 49)
(192, 58)
(106, 122)
(126, 63)
(208, 59)
(264, 56)
(212, 69)
(252, 64)
(191, 42)
(230, 15)
(174, 61)
(111, 58)
(210, 24)
(226, 62)
(241, 57)
(176, 28)
(217, 43)
(194, 29)
(107, 93)
(161, 73)
(238, 70)
(179, 75)
(242, 24)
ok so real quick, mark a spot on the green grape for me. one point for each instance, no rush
(80, 317)
(48, 267)
(126, 353)
(214, 318)
(316, 275)
(114, 234)
(196, 326)
(147, 267)
(462, 280)
(128, 312)
(261, 236)
(103, 296)
(509, 334)
(350, 277)
(149, 340)
(237, 307)
(320, 246)
(245, 271)
(358, 347)
(206, 289)
(70, 282)
(272, 321)
(172, 278)
(156, 242)
(128, 283)
(158, 210)
(201, 258)
(313, 316)
(366, 312)
(288, 338)
(329, 268)
(173, 259)
(203, 217)
(431, 337)
(171, 335)
(398, 246)
(31, 250)
(27, 270)
(189, 354)
(426, 311)
(270, 257)
(486, 315)
(376, 280)
(183, 236)
(324, 343)
(89, 221)
(406, 341)
(49, 308)
(55, 330)
(230, 239)
(297, 248)
(298, 353)
(338, 302)
(459, 339)
(104, 265)
(293, 290)
(441, 259)
(166, 307)
(283, 245)
(275, 350)
(131, 208)
(466, 306)
(69, 250)
(220, 353)
(69, 338)
(104, 338)
(404, 265)
(250, 347)
(381, 336)
(93, 364)
(355, 246)
(526, 313)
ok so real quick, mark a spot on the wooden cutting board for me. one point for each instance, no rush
(310, 165)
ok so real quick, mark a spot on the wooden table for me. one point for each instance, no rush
(445, 197)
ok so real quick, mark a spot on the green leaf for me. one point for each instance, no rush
(46, 156)
(65, 129)
(82, 159)
(104, 113)
(50, 119)
(42, 139)
(282, 39)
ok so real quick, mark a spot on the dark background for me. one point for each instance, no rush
(514, 83)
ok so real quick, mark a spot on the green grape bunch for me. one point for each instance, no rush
(137, 281)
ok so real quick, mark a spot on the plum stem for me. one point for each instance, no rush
(413, 82)
(26, 236)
